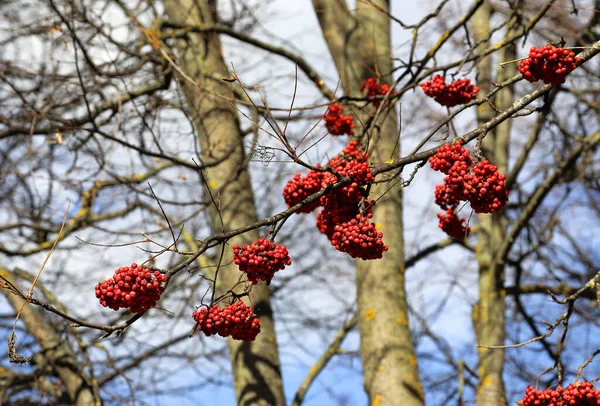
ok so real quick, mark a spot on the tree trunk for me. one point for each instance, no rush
(360, 46)
(489, 312)
(256, 366)
(55, 351)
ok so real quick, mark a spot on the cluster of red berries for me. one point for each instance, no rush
(447, 155)
(300, 187)
(235, 320)
(374, 88)
(342, 219)
(460, 91)
(484, 188)
(549, 64)
(358, 238)
(336, 123)
(351, 162)
(481, 185)
(345, 210)
(261, 259)
(132, 287)
(576, 394)
(452, 225)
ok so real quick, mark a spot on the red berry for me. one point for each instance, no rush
(235, 320)
(300, 187)
(358, 238)
(484, 188)
(481, 185)
(579, 394)
(460, 91)
(261, 259)
(118, 292)
(453, 226)
(549, 64)
(374, 88)
(447, 155)
(336, 123)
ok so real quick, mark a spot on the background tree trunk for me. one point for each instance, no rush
(256, 366)
(361, 47)
(489, 312)
(56, 352)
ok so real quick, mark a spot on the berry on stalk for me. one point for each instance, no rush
(374, 88)
(261, 259)
(549, 64)
(576, 394)
(235, 320)
(358, 238)
(460, 91)
(336, 123)
(300, 187)
(481, 185)
(132, 287)
(452, 225)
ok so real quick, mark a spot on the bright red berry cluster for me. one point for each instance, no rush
(351, 162)
(374, 88)
(132, 287)
(447, 155)
(549, 64)
(576, 394)
(235, 320)
(481, 185)
(484, 188)
(358, 238)
(460, 91)
(300, 187)
(261, 259)
(452, 225)
(345, 210)
(336, 123)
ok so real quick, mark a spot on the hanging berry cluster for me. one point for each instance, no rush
(358, 238)
(346, 210)
(300, 187)
(132, 287)
(549, 64)
(235, 320)
(576, 394)
(460, 91)
(481, 185)
(452, 225)
(261, 259)
(374, 88)
(336, 123)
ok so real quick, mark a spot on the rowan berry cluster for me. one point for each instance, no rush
(261, 259)
(481, 185)
(300, 187)
(358, 238)
(549, 64)
(352, 162)
(235, 320)
(484, 188)
(447, 155)
(374, 88)
(460, 91)
(132, 287)
(452, 225)
(576, 394)
(336, 123)
(346, 209)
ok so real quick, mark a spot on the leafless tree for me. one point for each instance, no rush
(128, 132)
